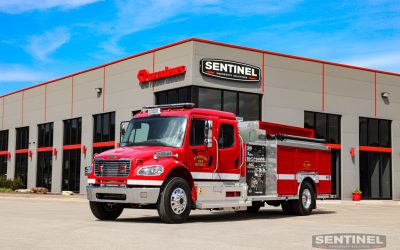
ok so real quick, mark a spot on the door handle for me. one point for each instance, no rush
(236, 162)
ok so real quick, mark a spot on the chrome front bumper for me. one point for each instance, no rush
(142, 195)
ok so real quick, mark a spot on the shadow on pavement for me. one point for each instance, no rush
(226, 216)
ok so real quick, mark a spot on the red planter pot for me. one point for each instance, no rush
(356, 197)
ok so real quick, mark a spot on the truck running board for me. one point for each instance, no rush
(222, 204)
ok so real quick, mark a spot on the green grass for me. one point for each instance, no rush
(5, 190)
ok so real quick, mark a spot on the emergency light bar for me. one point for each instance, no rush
(170, 106)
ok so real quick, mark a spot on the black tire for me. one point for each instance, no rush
(176, 211)
(255, 207)
(287, 207)
(306, 202)
(106, 211)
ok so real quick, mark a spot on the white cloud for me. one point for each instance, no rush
(21, 73)
(41, 46)
(387, 61)
(134, 16)
(21, 6)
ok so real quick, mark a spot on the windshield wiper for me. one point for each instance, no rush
(149, 142)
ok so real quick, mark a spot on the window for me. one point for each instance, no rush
(197, 135)
(168, 131)
(327, 126)
(45, 135)
(22, 138)
(104, 127)
(4, 140)
(45, 159)
(21, 159)
(226, 138)
(246, 105)
(375, 132)
(3, 157)
(72, 157)
(179, 95)
(210, 98)
(72, 131)
(103, 131)
(249, 106)
(375, 166)
(230, 101)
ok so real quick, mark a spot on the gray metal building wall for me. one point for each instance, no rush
(289, 87)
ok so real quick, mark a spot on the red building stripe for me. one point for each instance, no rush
(262, 73)
(22, 108)
(22, 151)
(72, 98)
(70, 147)
(45, 102)
(104, 87)
(375, 149)
(375, 94)
(2, 117)
(44, 149)
(4, 152)
(104, 144)
(154, 61)
(334, 146)
(323, 87)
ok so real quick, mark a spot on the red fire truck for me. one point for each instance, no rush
(176, 158)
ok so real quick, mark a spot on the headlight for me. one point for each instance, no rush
(151, 170)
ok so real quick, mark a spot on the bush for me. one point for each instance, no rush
(11, 184)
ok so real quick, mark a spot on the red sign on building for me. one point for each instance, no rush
(145, 76)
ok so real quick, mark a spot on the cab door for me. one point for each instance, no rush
(201, 158)
(228, 150)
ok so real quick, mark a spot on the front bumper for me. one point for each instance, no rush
(142, 195)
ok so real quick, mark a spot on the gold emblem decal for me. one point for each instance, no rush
(306, 164)
(200, 160)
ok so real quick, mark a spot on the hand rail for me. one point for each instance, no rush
(216, 155)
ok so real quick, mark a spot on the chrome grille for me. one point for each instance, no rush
(112, 168)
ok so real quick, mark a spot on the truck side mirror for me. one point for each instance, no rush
(122, 128)
(208, 133)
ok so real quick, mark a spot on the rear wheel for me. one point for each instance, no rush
(304, 205)
(175, 202)
(106, 211)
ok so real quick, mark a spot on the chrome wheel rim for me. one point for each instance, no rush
(178, 200)
(306, 198)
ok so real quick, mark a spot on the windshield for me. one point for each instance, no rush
(167, 131)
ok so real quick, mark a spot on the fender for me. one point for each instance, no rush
(178, 169)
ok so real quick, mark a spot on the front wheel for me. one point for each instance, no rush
(106, 211)
(175, 202)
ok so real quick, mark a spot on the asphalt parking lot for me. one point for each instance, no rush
(57, 222)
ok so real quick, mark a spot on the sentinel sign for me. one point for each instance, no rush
(349, 241)
(230, 70)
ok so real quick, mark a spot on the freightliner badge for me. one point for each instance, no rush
(230, 70)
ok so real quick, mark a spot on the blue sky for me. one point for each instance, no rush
(46, 39)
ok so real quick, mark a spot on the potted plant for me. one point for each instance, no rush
(357, 194)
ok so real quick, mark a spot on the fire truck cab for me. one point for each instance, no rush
(176, 158)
